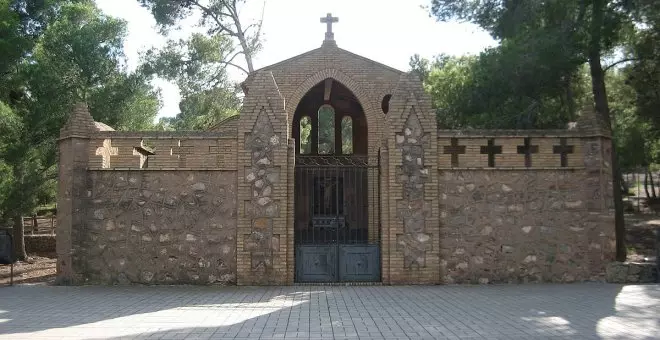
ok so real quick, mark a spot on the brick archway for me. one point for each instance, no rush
(372, 115)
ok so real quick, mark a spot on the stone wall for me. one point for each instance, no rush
(40, 244)
(159, 227)
(521, 226)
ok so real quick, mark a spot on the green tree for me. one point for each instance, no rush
(220, 18)
(74, 53)
(643, 73)
(579, 31)
(499, 88)
(197, 66)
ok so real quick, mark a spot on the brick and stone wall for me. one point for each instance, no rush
(217, 206)
(525, 206)
(520, 226)
(146, 207)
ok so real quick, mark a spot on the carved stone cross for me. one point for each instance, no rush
(329, 20)
(528, 149)
(106, 151)
(144, 154)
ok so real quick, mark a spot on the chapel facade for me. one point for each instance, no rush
(334, 171)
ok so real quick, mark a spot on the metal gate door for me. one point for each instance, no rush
(337, 219)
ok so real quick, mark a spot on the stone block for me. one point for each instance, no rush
(632, 272)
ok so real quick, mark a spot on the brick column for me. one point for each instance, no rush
(263, 190)
(385, 215)
(72, 191)
(413, 227)
(598, 191)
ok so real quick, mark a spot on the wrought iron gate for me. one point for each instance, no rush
(337, 219)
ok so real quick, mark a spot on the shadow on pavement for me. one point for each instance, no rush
(417, 312)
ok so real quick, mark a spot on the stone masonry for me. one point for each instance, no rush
(160, 227)
(217, 206)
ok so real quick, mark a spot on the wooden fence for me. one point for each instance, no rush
(39, 225)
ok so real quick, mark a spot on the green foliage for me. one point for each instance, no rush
(202, 110)
(12, 44)
(502, 88)
(69, 52)
(326, 130)
(632, 131)
(305, 135)
(553, 39)
(536, 77)
(528, 81)
(219, 17)
(194, 64)
(644, 72)
(197, 66)
(346, 135)
(9, 126)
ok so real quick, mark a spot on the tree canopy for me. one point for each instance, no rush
(57, 53)
(537, 73)
(198, 64)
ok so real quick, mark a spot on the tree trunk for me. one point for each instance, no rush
(653, 194)
(246, 50)
(19, 240)
(624, 186)
(602, 107)
(646, 184)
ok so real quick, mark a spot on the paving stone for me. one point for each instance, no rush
(576, 311)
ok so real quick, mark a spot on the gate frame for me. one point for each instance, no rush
(372, 246)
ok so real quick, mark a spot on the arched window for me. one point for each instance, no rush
(346, 135)
(326, 130)
(305, 135)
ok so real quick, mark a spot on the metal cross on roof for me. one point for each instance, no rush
(329, 20)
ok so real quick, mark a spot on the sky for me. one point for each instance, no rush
(389, 34)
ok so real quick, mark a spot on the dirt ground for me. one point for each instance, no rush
(640, 235)
(38, 269)
(640, 241)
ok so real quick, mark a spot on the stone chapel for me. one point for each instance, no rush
(335, 171)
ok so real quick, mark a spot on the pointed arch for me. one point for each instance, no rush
(374, 120)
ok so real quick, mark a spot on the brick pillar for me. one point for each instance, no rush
(598, 191)
(413, 226)
(290, 169)
(72, 191)
(263, 190)
(385, 239)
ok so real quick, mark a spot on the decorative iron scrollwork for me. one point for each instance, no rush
(336, 160)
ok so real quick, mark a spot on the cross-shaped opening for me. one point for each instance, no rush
(144, 154)
(563, 149)
(491, 150)
(528, 149)
(454, 150)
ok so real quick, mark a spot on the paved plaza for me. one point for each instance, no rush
(570, 311)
